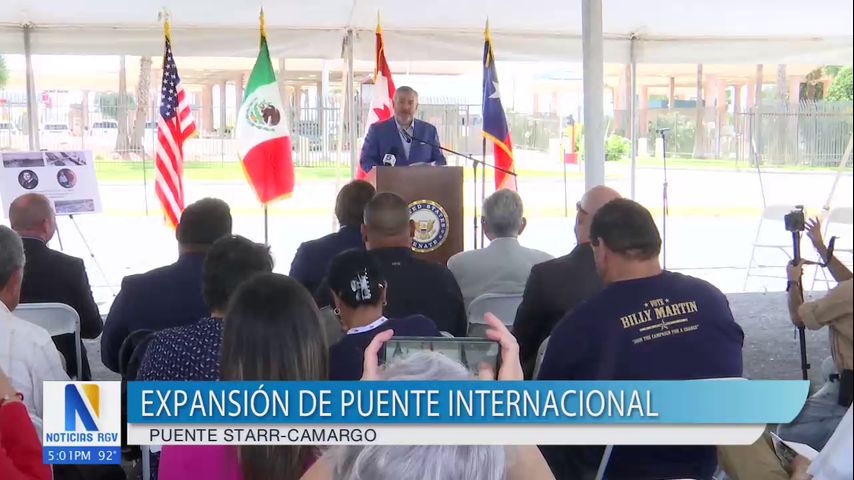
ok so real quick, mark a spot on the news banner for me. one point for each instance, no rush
(82, 420)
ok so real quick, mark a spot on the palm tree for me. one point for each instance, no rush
(143, 100)
(811, 82)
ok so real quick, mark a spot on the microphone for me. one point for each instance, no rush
(406, 135)
(389, 160)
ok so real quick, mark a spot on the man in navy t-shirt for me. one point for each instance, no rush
(647, 324)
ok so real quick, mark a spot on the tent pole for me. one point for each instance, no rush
(633, 109)
(594, 115)
(351, 110)
(32, 102)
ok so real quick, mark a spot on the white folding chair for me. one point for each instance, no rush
(57, 319)
(541, 353)
(502, 305)
(838, 222)
(774, 214)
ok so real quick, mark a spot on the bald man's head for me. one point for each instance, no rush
(31, 215)
(387, 222)
(590, 203)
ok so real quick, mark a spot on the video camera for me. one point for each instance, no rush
(795, 220)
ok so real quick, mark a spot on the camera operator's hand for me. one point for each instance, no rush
(795, 272)
(814, 233)
(511, 366)
(371, 365)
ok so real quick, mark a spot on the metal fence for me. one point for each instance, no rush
(319, 137)
(812, 134)
(805, 134)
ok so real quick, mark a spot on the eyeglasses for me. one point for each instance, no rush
(579, 208)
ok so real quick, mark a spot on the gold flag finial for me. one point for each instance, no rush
(164, 16)
(261, 19)
(379, 24)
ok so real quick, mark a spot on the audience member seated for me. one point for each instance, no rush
(169, 296)
(192, 352)
(416, 286)
(556, 287)
(51, 276)
(503, 266)
(358, 289)
(646, 324)
(272, 333)
(434, 462)
(27, 353)
(312, 258)
(822, 411)
(20, 446)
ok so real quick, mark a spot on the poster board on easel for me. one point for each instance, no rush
(65, 177)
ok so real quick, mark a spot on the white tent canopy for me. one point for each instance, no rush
(665, 31)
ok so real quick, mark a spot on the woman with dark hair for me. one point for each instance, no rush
(272, 333)
(359, 288)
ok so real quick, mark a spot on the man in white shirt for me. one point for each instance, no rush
(503, 266)
(27, 353)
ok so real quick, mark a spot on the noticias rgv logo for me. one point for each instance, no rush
(82, 422)
(76, 407)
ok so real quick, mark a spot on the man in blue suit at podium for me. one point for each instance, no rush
(402, 140)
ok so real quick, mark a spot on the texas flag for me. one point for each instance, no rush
(494, 122)
(383, 92)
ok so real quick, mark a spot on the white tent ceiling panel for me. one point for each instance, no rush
(751, 51)
(416, 45)
(219, 42)
(727, 31)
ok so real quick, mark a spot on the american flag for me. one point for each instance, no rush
(174, 125)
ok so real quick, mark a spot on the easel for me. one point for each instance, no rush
(88, 249)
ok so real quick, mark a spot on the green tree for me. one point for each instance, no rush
(4, 72)
(841, 88)
(108, 104)
(832, 70)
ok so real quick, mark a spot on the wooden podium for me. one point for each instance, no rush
(435, 198)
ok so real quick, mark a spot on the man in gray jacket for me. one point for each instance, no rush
(503, 266)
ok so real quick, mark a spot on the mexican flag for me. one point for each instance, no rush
(263, 138)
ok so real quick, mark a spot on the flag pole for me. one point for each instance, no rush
(483, 144)
(266, 227)
(482, 189)
(266, 211)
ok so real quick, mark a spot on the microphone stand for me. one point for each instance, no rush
(474, 163)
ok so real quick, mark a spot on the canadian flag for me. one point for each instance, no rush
(383, 91)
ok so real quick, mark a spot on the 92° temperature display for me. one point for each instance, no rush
(82, 455)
